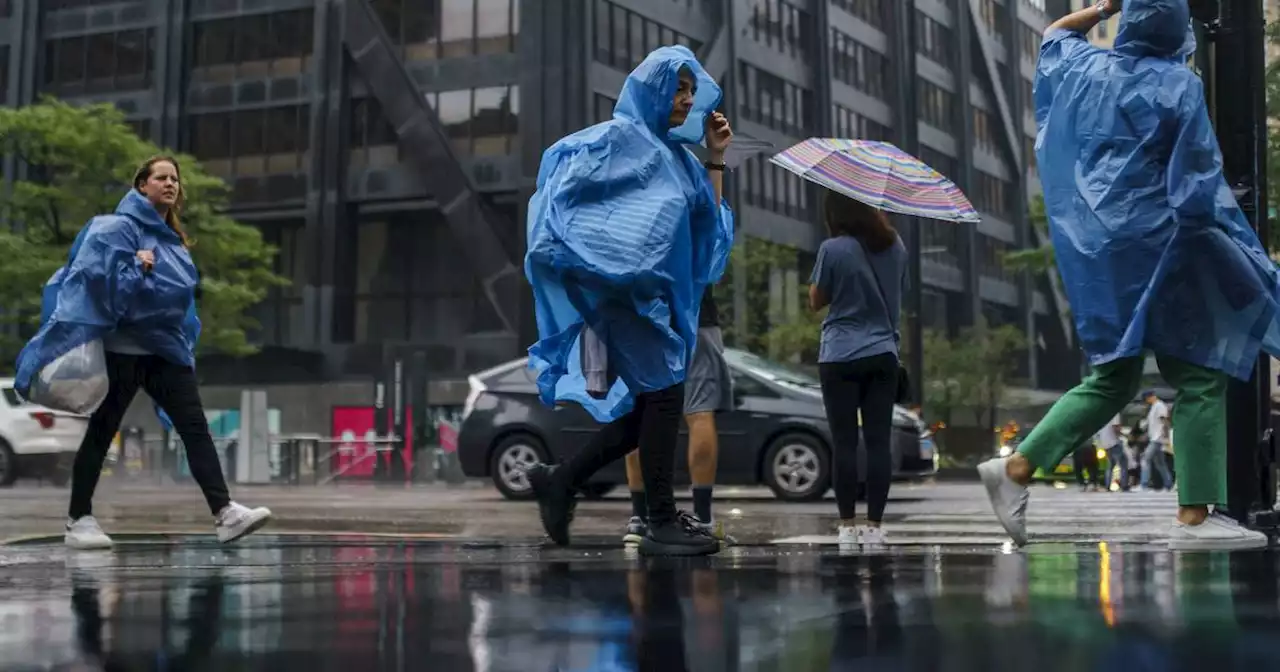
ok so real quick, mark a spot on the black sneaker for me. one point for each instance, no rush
(636, 529)
(555, 504)
(681, 536)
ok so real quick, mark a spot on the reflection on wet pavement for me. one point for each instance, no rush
(350, 603)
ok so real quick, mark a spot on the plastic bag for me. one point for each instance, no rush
(74, 382)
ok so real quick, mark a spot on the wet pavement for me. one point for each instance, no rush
(949, 513)
(352, 602)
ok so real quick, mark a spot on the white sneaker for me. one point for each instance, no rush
(1008, 499)
(236, 520)
(1218, 532)
(871, 536)
(847, 535)
(85, 534)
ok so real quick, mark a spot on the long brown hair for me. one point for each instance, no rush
(847, 217)
(173, 214)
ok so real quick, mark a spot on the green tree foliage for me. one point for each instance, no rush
(1037, 259)
(970, 372)
(78, 163)
(768, 332)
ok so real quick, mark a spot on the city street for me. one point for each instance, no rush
(458, 579)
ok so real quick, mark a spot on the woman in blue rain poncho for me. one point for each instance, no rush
(625, 232)
(1153, 250)
(130, 282)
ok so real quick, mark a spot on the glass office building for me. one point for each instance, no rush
(387, 147)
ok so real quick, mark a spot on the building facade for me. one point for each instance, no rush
(388, 147)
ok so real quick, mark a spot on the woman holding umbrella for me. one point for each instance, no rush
(859, 274)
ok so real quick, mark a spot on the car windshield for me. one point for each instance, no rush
(773, 371)
(11, 396)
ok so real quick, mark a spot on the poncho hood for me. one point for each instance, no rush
(1156, 29)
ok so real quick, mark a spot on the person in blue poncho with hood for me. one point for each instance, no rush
(1154, 253)
(131, 283)
(626, 231)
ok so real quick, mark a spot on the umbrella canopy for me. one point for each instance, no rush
(878, 174)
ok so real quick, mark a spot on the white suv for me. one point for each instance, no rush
(36, 441)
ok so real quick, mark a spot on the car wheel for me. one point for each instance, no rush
(8, 465)
(510, 459)
(797, 467)
(598, 490)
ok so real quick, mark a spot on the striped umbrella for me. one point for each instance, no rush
(878, 174)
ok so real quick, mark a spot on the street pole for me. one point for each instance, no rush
(1236, 92)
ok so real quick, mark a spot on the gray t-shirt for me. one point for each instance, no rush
(858, 325)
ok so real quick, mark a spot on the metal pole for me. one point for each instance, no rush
(1237, 91)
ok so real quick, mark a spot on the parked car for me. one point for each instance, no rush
(777, 435)
(35, 441)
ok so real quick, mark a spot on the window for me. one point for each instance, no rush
(940, 242)
(784, 27)
(770, 100)
(1030, 42)
(933, 40)
(769, 187)
(1029, 152)
(281, 313)
(604, 108)
(935, 105)
(457, 27)
(984, 130)
(859, 66)
(253, 45)
(871, 11)
(996, 18)
(992, 195)
(246, 146)
(99, 63)
(940, 162)
(4, 72)
(1028, 96)
(623, 38)
(850, 124)
(141, 127)
(991, 254)
(478, 122)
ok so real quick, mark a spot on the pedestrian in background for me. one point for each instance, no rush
(859, 274)
(1153, 458)
(1112, 440)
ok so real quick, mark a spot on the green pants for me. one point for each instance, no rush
(1199, 414)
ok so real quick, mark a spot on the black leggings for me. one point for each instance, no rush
(868, 385)
(175, 389)
(654, 427)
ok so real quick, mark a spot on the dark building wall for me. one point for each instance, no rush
(268, 96)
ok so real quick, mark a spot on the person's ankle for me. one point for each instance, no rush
(1192, 515)
(1019, 469)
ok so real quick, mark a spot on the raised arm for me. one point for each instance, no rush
(1084, 20)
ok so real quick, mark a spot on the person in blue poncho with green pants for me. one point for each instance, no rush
(130, 282)
(1154, 252)
(626, 231)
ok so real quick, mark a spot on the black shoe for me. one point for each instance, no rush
(678, 537)
(555, 504)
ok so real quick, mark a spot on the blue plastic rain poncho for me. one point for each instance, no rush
(103, 289)
(624, 235)
(1154, 252)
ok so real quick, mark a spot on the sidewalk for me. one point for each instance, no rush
(947, 513)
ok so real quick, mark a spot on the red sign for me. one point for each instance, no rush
(356, 452)
(448, 435)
